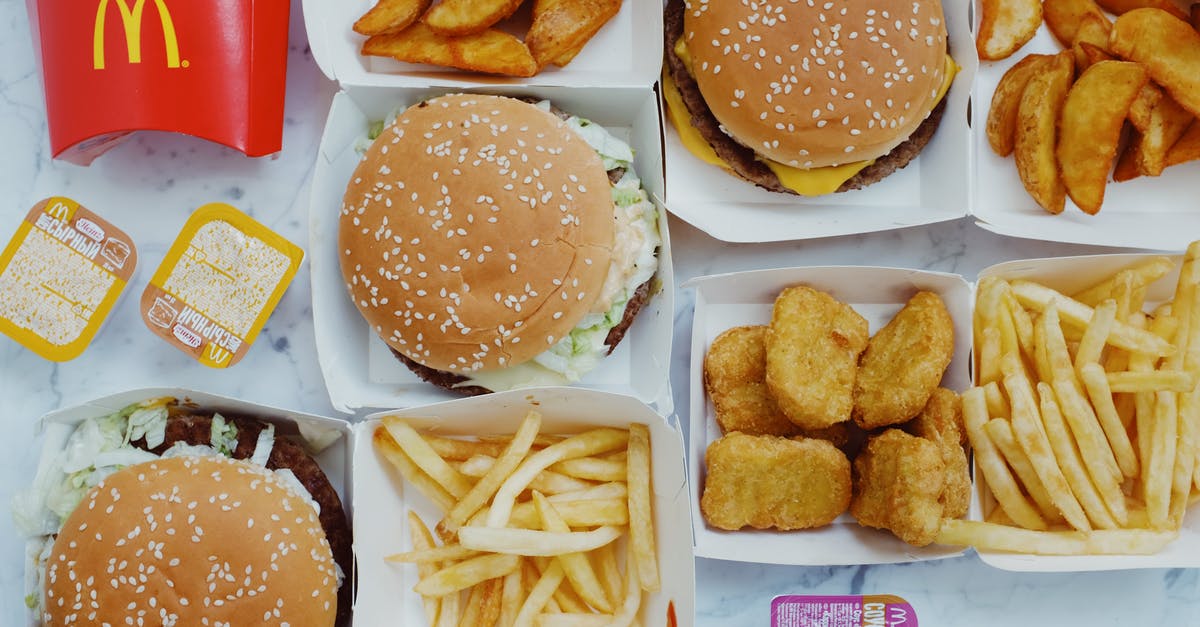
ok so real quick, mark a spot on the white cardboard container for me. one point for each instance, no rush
(382, 500)
(334, 434)
(934, 187)
(1069, 274)
(359, 370)
(745, 298)
(1157, 213)
(615, 56)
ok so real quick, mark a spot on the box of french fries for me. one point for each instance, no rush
(360, 371)
(1084, 414)
(462, 43)
(934, 187)
(743, 301)
(1123, 145)
(557, 506)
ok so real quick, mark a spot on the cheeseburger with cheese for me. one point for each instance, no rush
(807, 97)
(495, 243)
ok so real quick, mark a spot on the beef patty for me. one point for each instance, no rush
(743, 160)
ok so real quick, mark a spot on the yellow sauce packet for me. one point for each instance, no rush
(218, 284)
(60, 276)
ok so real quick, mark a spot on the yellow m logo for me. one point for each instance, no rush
(131, 19)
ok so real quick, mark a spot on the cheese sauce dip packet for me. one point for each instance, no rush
(869, 610)
(218, 284)
(60, 277)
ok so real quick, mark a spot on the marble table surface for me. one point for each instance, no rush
(151, 183)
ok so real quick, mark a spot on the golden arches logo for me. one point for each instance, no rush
(131, 20)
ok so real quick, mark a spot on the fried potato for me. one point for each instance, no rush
(812, 355)
(735, 371)
(1194, 16)
(1093, 32)
(562, 27)
(904, 363)
(1160, 122)
(1187, 148)
(491, 51)
(1120, 7)
(455, 18)
(390, 16)
(1037, 122)
(1002, 116)
(1090, 128)
(941, 422)
(1064, 17)
(762, 481)
(1005, 26)
(1169, 49)
(898, 484)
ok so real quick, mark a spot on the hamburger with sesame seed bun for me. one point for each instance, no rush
(806, 97)
(495, 243)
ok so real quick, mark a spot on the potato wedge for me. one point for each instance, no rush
(1093, 30)
(1168, 121)
(562, 27)
(1127, 162)
(455, 18)
(1120, 7)
(390, 16)
(1187, 148)
(1065, 17)
(1194, 16)
(1002, 116)
(1090, 128)
(1005, 26)
(1037, 119)
(1167, 46)
(492, 51)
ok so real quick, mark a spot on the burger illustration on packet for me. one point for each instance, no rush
(60, 277)
(218, 284)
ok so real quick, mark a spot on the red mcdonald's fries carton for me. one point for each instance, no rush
(211, 69)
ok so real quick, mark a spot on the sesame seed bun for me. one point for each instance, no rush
(183, 540)
(814, 83)
(476, 232)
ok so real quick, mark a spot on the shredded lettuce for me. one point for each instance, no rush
(289, 480)
(223, 435)
(262, 448)
(149, 423)
(614, 152)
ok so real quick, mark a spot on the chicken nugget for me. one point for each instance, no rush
(812, 355)
(735, 370)
(904, 363)
(844, 435)
(898, 481)
(941, 422)
(763, 481)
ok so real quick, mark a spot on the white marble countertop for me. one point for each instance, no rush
(150, 184)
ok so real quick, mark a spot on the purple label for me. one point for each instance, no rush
(872, 610)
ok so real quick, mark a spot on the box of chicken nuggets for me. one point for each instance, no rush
(1084, 414)
(461, 43)
(824, 415)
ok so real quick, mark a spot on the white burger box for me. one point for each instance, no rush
(331, 438)
(1068, 274)
(617, 55)
(934, 187)
(1157, 213)
(358, 367)
(382, 500)
(745, 298)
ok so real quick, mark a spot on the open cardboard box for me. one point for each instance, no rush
(382, 500)
(935, 187)
(330, 435)
(615, 56)
(744, 298)
(1158, 213)
(358, 367)
(1069, 274)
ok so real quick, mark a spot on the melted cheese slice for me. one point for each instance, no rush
(811, 182)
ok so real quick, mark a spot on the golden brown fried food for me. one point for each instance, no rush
(762, 481)
(561, 28)
(390, 16)
(735, 370)
(812, 355)
(455, 18)
(941, 423)
(492, 51)
(904, 363)
(898, 481)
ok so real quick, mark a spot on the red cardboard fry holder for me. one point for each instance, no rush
(211, 69)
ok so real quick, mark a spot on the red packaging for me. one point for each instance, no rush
(213, 69)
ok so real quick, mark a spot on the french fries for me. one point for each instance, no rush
(1005, 26)
(551, 559)
(1107, 432)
